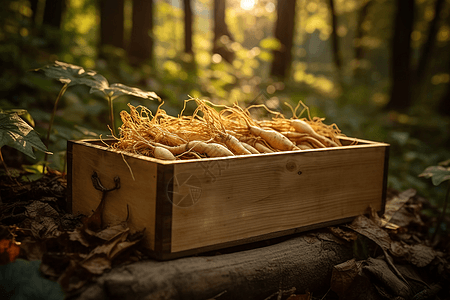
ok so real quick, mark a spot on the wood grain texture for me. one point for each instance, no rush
(304, 262)
(163, 215)
(138, 194)
(192, 206)
(249, 196)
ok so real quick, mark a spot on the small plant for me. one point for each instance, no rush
(70, 75)
(17, 134)
(438, 175)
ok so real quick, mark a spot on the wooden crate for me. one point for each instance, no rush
(193, 206)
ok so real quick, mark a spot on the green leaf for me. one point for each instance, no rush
(438, 174)
(117, 89)
(23, 280)
(16, 133)
(21, 112)
(72, 75)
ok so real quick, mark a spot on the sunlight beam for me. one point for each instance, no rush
(248, 4)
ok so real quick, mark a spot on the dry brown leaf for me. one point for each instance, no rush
(32, 249)
(78, 236)
(96, 264)
(396, 203)
(399, 249)
(421, 255)
(9, 250)
(343, 276)
(306, 296)
(369, 229)
(109, 233)
(346, 235)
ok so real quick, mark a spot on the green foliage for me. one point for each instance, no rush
(16, 133)
(22, 279)
(72, 75)
(438, 174)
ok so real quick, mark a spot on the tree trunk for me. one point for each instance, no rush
(52, 18)
(111, 24)
(284, 32)
(34, 8)
(53, 13)
(428, 47)
(304, 262)
(334, 38)
(401, 94)
(187, 26)
(359, 36)
(444, 104)
(220, 31)
(141, 42)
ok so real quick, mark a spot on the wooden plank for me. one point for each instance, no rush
(163, 215)
(247, 196)
(138, 194)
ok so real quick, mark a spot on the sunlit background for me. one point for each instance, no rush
(353, 97)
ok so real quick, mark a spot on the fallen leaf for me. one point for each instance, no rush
(346, 235)
(399, 249)
(343, 276)
(78, 236)
(32, 249)
(306, 296)
(408, 214)
(110, 232)
(421, 255)
(369, 229)
(394, 204)
(96, 264)
(9, 250)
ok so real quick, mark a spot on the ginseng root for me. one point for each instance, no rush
(210, 149)
(274, 138)
(303, 127)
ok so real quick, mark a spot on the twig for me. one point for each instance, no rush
(218, 295)
(442, 216)
(4, 164)
(326, 294)
(52, 118)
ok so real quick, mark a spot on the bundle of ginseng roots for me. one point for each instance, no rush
(217, 131)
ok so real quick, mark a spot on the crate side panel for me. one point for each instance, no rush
(221, 201)
(138, 194)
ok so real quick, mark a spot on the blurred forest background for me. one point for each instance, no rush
(380, 69)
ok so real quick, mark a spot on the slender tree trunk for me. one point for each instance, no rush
(141, 42)
(284, 32)
(111, 24)
(428, 47)
(34, 8)
(334, 38)
(444, 105)
(401, 94)
(52, 19)
(359, 36)
(53, 12)
(220, 31)
(187, 26)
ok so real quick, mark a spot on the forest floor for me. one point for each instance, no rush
(393, 256)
